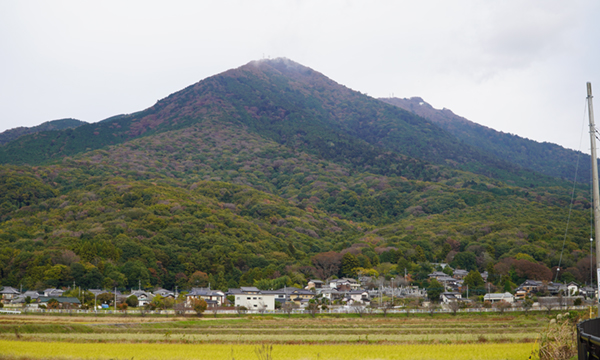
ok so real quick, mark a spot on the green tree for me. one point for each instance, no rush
(434, 290)
(474, 281)
(349, 263)
(132, 301)
(464, 260)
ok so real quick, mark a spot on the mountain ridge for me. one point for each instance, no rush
(546, 158)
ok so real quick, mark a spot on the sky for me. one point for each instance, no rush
(516, 66)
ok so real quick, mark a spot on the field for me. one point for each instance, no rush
(255, 337)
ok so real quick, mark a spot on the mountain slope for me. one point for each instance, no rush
(12, 134)
(218, 203)
(546, 158)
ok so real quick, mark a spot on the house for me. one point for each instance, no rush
(494, 298)
(572, 288)
(33, 296)
(460, 274)
(8, 294)
(360, 296)
(588, 292)
(438, 275)
(164, 293)
(144, 298)
(279, 295)
(63, 301)
(448, 297)
(300, 294)
(351, 283)
(212, 297)
(330, 294)
(53, 292)
(528, 288)
(314, 284)
(253, 298)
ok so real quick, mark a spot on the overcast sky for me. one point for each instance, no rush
(515, 66)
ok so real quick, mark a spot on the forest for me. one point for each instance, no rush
(269, 177)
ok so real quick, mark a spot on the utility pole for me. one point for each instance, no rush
(115, 299)
(595, 189)
(392, 291)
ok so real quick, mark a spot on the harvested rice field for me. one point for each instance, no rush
(252, 337)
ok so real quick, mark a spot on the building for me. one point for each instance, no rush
(354, 296)
(9, 294)
(53, 292)
(144, 298)
(253, 298)
(448, 297)
(64, 302)
(494, 298)
(212, 297)
(314, 284)
(164, 293)
(460, 274)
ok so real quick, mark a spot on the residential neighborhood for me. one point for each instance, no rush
(343, 294)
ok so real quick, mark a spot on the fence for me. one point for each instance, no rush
(588, 339)
(232, 311)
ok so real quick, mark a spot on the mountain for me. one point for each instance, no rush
(294, 106)
(12, 134)
(267, 175)
(545, 158)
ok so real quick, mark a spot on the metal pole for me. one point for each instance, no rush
(392, 291)
(595, 195)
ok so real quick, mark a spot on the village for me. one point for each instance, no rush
(345, 295)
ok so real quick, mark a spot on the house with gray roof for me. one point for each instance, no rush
(8, 294)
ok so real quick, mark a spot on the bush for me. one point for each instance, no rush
(132, 301)
(199, 306)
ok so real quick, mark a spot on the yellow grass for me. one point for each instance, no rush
(42, 350)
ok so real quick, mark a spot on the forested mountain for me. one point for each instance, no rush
(266, 175)
(295, 106)
(546, 158)
(12, 134)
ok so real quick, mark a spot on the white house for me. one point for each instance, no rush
(212, 297)
(253, 299)
(572, 289)
(144, 298)
(448, 297)
(493, 298)
(361, 296)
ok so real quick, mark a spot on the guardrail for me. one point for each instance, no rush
(588, 339)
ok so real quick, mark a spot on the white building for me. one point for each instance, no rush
(253, 299)
(494, 298)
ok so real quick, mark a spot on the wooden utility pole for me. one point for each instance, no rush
(595, 196)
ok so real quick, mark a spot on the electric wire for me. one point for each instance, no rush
(572, 194)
